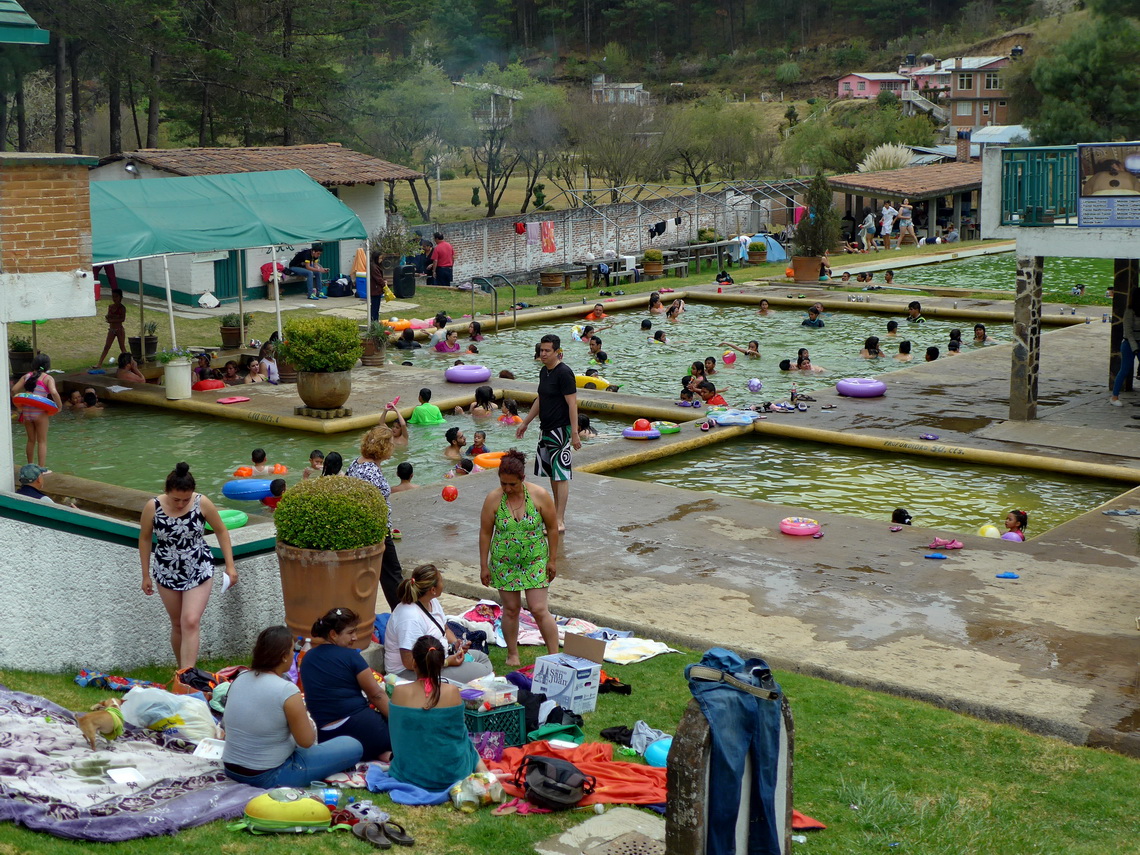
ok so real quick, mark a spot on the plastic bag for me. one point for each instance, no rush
(476, 790)
(158, 709)
(489, 744)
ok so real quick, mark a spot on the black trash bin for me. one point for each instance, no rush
(405, 281)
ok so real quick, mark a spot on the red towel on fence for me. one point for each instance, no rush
(618, 782)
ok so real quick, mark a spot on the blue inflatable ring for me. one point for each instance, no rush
(630, 433)
(247, 489)
(733, 417)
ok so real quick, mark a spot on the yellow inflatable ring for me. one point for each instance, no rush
(599, 382)
(488, 459)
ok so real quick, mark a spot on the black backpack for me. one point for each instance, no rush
(552, 783)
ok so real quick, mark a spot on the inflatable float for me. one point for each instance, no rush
(467, 374)
(799, 526)
(861, 387)
(247, 489)
(488, 459)
(36, 402)
(231, 519)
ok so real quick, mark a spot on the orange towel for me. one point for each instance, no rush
(618, 782)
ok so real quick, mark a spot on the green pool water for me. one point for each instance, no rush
(645, 368)
(999, 273)
(138, 446)
(836, 479)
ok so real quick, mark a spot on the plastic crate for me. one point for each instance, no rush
(509, 720)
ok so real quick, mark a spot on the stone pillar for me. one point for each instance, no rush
(1026, 339)
(1125, 277)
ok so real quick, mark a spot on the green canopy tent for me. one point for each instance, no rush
(17, 26)
(158, 217)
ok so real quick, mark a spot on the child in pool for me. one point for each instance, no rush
(901, 516)
(659, 337)
(1017, 522)
(75, 401)
(260, 467)
(426, 413)
(479, 446)
(316, 464)
(276, 491)
(765, 309)
(752, 351)
(585, 431)
(333, 464)
(710, 366)
(404, 472)
(461, 468)
(980, 336)
(914, 313)
(687, 397)
(871, 348)
(904, 354)
(510, 414)
(892, 328)
(708, 393)
(483, 405)
(601, 358)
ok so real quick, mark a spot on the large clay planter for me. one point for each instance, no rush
(552, 281)
(758, 257)
(231, 337)
(324, 390)
(653, 268)
(314, 581)
(805, 268)
(20, 362)
(374, 353)
(286, 373)
(143, 349)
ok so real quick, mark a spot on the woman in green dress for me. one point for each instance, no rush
(518, 544)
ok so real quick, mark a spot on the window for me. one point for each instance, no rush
(965, 81)
(985, 108)
(993, 80)
(1001, 103)
(862, 86)
(847, 86)
(964, 108)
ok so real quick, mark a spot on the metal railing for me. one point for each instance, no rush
(1039, 186)
(486, 283)
(923, 103)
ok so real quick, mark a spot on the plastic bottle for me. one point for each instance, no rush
(794, 393)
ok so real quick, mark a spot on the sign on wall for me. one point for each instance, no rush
(1109, 175)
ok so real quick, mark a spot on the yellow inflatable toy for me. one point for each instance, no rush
(286, 810)
(989, 530)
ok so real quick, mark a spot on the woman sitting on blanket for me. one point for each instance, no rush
(430, 745)
(419, 613)
(270, 739)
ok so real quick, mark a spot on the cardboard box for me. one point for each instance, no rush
(571, 678)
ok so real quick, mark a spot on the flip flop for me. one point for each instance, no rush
(928, 436)
(895, 528)
(817, 535)
(937, 555)
(1007, 575)
(372, 833)
(396, 833)
(828, 407)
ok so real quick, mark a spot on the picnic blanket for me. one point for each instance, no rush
(618, 782)
(51, 780)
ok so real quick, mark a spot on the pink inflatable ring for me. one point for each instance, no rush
(799, 526)
(467, 374)
(861, 387)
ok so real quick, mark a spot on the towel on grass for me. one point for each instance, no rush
(625, 651)
(401, 793)
(618, 782)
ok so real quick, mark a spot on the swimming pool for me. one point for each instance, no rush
(999, 273)
(138, 446)
(837, 479)
(645, 368)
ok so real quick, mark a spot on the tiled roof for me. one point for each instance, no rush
(878, 75)
(329, 164)
(913, 182)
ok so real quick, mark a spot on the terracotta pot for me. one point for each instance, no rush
(758, 257)
(324, 390)
(286, 373)
(314, 581)
(653, 268)
(231, 337)
(806, 268)
(369, 346)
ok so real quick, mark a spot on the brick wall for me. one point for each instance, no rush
(483, 247)
(45, 214)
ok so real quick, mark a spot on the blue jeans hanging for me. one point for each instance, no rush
(743, 725)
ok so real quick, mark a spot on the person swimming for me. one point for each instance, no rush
(1016, 522)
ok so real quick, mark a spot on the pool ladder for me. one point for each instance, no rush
(487, 284)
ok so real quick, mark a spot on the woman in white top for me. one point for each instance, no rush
(419, 613)
(270, 739)
(267, 356)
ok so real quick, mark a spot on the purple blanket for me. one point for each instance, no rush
(50, 779)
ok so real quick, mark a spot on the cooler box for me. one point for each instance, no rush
(571, 678)
(361, 286)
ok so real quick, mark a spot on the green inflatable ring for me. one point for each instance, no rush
(231, 518)
(666, 427)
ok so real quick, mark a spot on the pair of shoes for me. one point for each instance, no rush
(807, 398)
(619, 293)
(1116, 402)
(314, 297)
(605, 293)
(383, 834)
(940, 543)
(803, 408)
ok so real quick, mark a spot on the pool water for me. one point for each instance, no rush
(648, 368)
(999, 273)
(138, 446)
(941, 495)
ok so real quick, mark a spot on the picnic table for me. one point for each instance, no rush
(701, 251)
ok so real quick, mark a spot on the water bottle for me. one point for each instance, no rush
(794, 393)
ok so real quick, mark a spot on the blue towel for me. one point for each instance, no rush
(379, 781)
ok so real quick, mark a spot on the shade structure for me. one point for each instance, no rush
(17, 26)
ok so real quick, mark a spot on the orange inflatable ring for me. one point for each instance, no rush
(398, 326)
(489, 459)
(206, 385)
(280, 468)
(243, 472)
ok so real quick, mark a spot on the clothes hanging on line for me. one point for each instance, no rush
(533, 234)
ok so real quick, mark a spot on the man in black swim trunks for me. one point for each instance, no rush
(557, 410)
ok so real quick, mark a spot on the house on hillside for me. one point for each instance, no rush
(868, 84)
(360, 181)
(494, 105)
(604, 92)
(971, 87)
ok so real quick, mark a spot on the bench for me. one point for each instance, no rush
(288, 280)
(619, 275)
(681, 268)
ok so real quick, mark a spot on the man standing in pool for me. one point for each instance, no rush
(557, 410)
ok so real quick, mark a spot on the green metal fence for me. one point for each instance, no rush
(1039, 186)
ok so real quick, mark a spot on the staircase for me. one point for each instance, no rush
(919, 102)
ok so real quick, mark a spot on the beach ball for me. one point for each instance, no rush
(642, 424)
(989, 530)
(450, 493)
(657, 754)
(729, 357)
(754, 385)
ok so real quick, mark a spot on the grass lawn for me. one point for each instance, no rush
(876, 769)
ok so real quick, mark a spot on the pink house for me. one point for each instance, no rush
(868, 84)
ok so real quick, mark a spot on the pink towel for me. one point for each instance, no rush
(548, 237)
(533, 234)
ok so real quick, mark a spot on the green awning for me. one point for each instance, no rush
(17, 26)
(148, 217)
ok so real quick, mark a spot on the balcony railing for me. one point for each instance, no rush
(1039, 186)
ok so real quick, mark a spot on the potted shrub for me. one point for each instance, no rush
(707, 235)
(20, 355)
(757, 253)
(653, 262)
(232, 326)
(177, 375)
(375, 344)
(393, 242)
(143, 350)
(330, 542)
(323, 350)
(817, 232)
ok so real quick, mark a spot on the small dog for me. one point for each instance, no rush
(106, 719)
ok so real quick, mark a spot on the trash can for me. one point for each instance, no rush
(404, 284)
(361, 286)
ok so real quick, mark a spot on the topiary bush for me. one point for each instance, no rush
(818, 231)
(654, 255)
(332, 513)
(320, 344)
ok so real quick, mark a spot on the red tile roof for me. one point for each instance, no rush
(329, 164)
(912, 182)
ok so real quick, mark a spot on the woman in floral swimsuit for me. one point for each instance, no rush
(174, 551)
(518, 545)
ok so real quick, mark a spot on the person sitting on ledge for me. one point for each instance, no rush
(128, 371)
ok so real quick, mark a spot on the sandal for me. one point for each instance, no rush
(396, 833)
(828, 407)
(372, 833)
